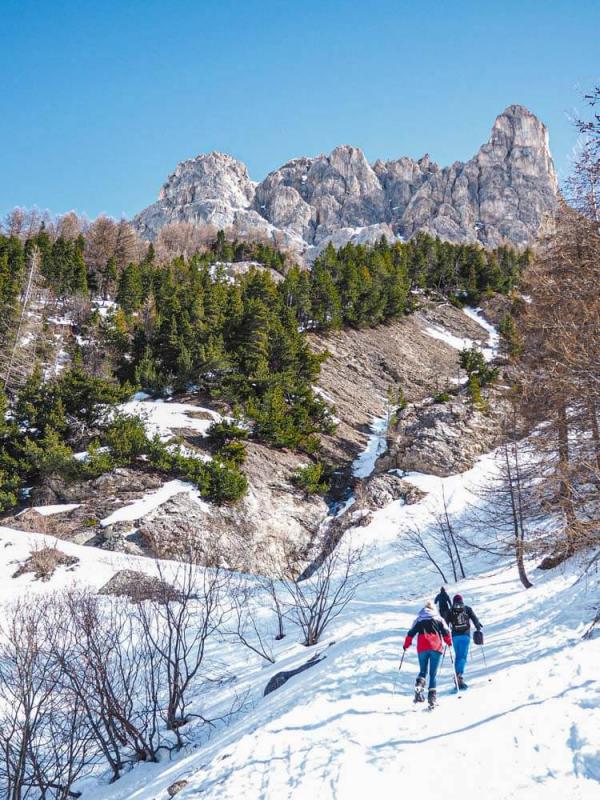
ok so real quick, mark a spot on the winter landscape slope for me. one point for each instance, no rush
(502, 195)
(526, 728)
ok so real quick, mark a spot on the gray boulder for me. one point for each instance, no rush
(281, 678)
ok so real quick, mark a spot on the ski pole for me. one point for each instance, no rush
(443, 657)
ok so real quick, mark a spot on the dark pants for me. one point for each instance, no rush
(429, 660)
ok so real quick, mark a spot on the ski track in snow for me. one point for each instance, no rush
(339, 730)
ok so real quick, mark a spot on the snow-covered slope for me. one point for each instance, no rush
(527, 728)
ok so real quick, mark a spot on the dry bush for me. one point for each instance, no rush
(43, 562)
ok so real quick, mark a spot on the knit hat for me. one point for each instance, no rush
(458, 598)
(430, 605)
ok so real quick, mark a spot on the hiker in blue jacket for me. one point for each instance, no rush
(460, 617)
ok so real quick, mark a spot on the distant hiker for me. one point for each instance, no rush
(431, 632)
(459, 619)
(444, 603)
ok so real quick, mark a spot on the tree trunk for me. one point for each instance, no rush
(565, 492)
(595, 430)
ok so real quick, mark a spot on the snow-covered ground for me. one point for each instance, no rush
(527, 729)
(48, 511)
(364, 464)
(152, 500)
(490, 351)
(162, 417)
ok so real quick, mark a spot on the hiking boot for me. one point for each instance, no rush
(432, 697)
(420, 690)
(461, 682)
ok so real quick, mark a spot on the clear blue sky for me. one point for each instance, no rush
(100, 100)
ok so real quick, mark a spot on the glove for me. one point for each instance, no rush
(448, 641)
(407, 642)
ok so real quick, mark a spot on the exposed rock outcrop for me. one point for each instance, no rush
(364, 364)
(380, 490)
(176, 787)
(256, 534)
(501, 195)
(281, 678)
(138, 587)
(443, 438)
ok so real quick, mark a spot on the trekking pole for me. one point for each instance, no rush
(396, 677)
(485, 663)
(454, 670)
(443, 657)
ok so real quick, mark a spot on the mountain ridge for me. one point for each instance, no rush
(499, 196)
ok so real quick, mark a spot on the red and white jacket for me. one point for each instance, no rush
(431, 632)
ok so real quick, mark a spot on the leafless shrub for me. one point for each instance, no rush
(178, 630)
(270, 589)
(314, 602)
(422, 545)
(43, 562)
(45, 741)
(446, 538)
(245, 626)
(181, 239)
(113, 674)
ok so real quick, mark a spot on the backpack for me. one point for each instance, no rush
(460, 619)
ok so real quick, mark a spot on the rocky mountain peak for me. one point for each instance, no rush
(518, 135)
(501, 195)
(210, 176)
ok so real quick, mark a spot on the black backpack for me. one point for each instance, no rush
(460, 619)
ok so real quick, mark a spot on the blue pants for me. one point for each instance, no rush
(461, 642)
(429, 659)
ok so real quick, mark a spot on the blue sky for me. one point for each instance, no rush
(101, 100)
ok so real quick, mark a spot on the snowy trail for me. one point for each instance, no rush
(338, 731)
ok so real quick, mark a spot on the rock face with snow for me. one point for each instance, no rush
(272, 522)
(501, 195)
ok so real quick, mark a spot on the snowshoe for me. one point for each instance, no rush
(432, 699)
(419, 691)
(419, 695)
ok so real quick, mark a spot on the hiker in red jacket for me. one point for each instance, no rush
(431, 632)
